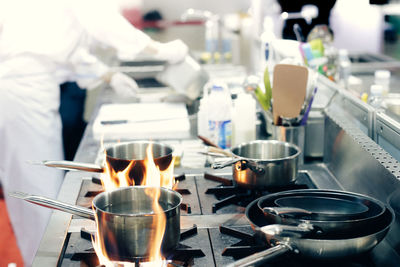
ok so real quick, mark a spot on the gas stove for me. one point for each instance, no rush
(214, 230)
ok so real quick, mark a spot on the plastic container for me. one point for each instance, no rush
(244, 122)
(382, 77)
(344, 68)
(202, 117)
(376, 96)
(220, 116)
(267, 37)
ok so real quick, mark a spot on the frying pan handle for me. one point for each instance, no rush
(71, 165)
(280, 230)
(286, 211)
(221, 165)
(54, 204)
(258, 258)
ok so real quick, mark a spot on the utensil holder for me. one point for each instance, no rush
(290, 134)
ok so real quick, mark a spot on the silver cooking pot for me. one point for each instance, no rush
(125, 218)
(119, 156)
(263, 163)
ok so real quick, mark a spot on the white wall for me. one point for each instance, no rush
(357, 26)
(172, 9)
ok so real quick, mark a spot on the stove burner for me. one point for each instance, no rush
(183, 191)
(245, 247)
(182, 256)
(229, 193)
(250, 244)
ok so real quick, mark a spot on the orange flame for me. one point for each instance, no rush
(152, 177)
(112, 179)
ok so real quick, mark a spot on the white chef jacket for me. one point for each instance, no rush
(44, 43)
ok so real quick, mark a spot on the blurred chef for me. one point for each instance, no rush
(44, 43)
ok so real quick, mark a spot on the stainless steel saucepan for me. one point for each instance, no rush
(120, 155)
(125, 218)
(263, 163)
(302, 240)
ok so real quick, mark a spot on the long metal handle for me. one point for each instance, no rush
(54, 204)
(258, 258)
(221, 165)
(220, 151)
(71, 165)
(292, 231)
(286, 211)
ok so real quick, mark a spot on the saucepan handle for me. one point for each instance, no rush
(221, 165)
(252, 165)
(246, 163)
(54, 204)
(70, 165)
(259, 258)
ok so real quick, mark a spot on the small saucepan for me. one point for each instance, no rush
(359, 212)
(125, 218)
(302, 240)
(263, 163)
(120, 155)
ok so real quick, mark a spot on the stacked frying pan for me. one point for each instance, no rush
(318, 224)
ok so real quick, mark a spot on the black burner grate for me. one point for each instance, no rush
(182, 256)
(228, 193)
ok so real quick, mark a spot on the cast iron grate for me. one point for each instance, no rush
(182, 256)
(228, 193)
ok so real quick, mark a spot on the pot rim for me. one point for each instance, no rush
(287, 144)
(113, 146)
(137, 187)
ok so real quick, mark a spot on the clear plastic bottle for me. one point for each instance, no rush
(202, 118)
(244, 122)
(267, 37)
(344, 67)
(382, 77)
(376, 96)
(220, 116)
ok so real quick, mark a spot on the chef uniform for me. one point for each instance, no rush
(44, 43)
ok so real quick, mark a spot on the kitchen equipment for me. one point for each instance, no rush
(284, 239)
(394, 202)
(351, 216)
(120, 155)
(320, 206)
(308, 109)
(291, 134)
(288, 90)
(125, 218)
(141, 121)
(186, 77)
(263, 163)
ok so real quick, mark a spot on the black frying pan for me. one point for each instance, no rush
(292, 239)
(323, 208)
(327, 228)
